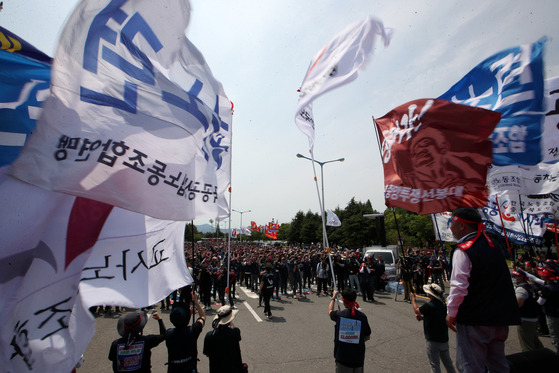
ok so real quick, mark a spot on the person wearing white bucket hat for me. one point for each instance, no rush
(433, 314)
(221, 345)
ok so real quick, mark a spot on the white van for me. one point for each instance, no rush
(389, 256)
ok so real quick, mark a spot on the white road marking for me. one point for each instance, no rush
(258, 319)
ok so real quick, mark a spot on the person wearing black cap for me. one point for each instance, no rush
(433, 314)
(481, 302)
(352, 330)
(182, 339)
(221, 345)
(132, 352)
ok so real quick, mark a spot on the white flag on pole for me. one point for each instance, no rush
(47, 241)
(135, 118)
(332, 219)
(338, 63)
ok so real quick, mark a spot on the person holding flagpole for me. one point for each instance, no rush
(352, 330)
(482, 303)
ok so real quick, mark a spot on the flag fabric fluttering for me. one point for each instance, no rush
(550, 136)
(246, 231)
(435, 155)
(441, 223)
(254, 227)
(271, 230)
(338, 63)
(511, 83)
(135, 118)
(24, 85)
(525, 228)
(14, 44)
(121, 257)
(332, 219)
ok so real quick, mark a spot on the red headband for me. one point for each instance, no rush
(480, 229)
(351, 305)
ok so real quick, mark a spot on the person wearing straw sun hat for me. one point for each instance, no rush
(433, 314)
(132, 352)
(221, 345)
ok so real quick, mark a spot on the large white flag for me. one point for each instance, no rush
(135, 118)
(337, 63)
(47, 241)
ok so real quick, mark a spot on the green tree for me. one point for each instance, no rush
(284, 230)
(294, 235)
(311, 230)
(189, 235)
(415, 230)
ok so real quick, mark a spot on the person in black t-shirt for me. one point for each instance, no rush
(221, 345)
(267, 288)
(433, 314)
(351, 331)
(182, 339)
(132, 352)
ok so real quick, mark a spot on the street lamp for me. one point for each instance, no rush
(241, 212)
(321, 172)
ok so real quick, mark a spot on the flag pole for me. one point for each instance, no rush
(324, 234)
(503, 226)
(437, 231)
(227, 286)
(524, 228)
(555, 228)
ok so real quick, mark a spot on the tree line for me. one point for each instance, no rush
(356, 230)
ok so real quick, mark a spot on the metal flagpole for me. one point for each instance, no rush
(325, 243)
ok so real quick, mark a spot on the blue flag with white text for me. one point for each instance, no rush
(511, 83)
(24, 85)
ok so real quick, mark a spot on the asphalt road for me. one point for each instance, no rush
(299, 337)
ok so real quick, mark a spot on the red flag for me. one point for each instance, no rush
(270, 234)
(254, 227)
(435, 155)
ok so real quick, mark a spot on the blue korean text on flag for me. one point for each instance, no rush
(24, 85)
(135, 117)
(511, 83)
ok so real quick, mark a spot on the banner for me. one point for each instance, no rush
(135, 118)
(338, 63)
(24, 85)
(270, 233)
(511, 83)
(246, 231)
(332, 219)
(520, 229)
(441, 224)
(542, 178)
(435, 155)
(550, 137)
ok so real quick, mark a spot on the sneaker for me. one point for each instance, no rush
(269, 316)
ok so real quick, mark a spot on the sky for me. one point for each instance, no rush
(260, 51)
